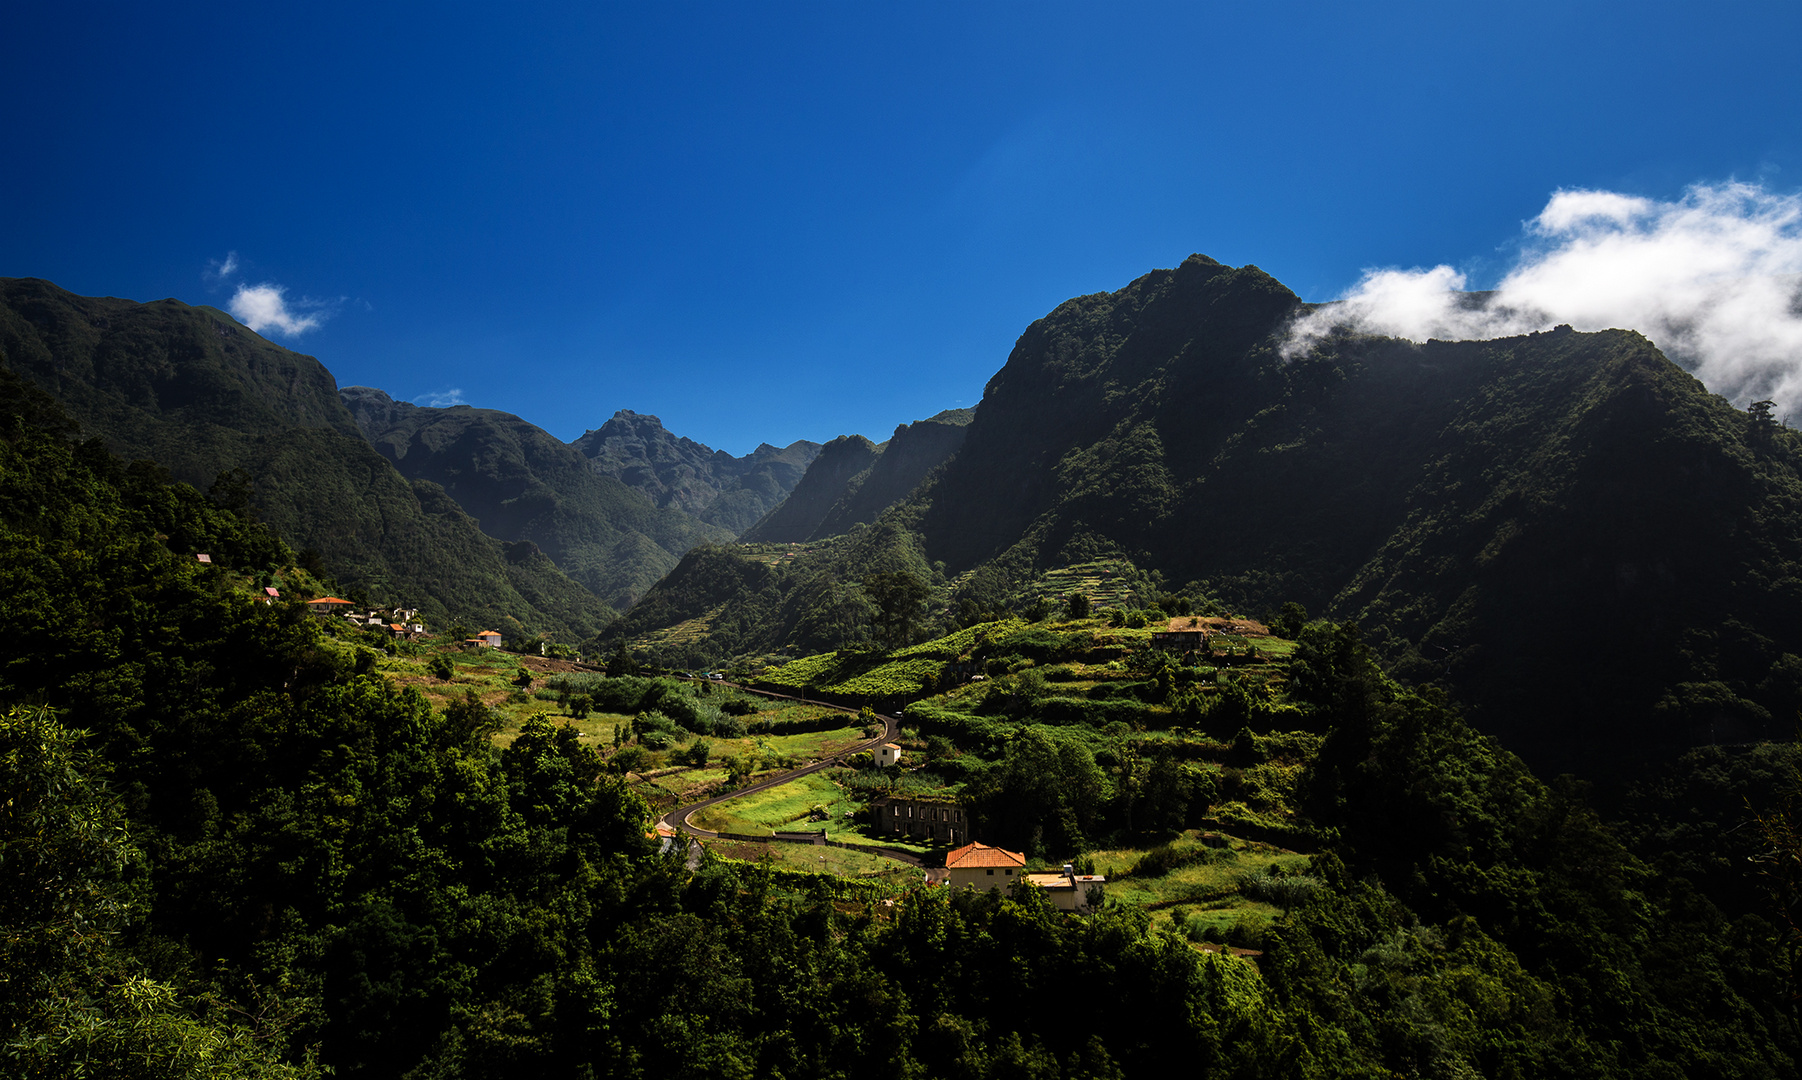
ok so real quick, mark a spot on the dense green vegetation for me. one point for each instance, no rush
(262, 857)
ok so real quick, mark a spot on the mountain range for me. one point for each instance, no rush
(681, 474)
(1566, 530)
(472, 515)
(1591, 551)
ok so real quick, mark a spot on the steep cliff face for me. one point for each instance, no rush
(679, 473)
(523, 484)
(1099, 407)
(800, 516)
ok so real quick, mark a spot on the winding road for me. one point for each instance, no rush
(677, 819)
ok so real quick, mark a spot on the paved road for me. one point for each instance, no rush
(677, 819)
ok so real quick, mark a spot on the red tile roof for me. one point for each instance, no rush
(979, 855)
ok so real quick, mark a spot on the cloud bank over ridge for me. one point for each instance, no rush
(1712, 278)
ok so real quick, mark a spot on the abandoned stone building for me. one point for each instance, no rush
(941, 821)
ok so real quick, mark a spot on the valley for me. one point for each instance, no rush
(1277, 654)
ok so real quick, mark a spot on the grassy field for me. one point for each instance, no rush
(819, 860)
(785, 809)
(1191, 898)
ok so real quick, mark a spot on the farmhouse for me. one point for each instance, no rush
(887, 754)
(981, 867)
(1185, 633)
(328, 605)
(938, 820)
(1069, 890)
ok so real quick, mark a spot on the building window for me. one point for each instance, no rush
(991, 871)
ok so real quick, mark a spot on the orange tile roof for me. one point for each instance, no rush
(983, 855)
(328, 600)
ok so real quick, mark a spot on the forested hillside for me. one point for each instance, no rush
(1598, 557)
(201, 395)
(523, 485)
(234, 848)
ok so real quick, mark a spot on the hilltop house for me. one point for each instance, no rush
(328, 605)
(887, 754)
(939, 820)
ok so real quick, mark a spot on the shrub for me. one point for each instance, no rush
(1285, 891)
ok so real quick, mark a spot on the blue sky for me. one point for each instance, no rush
(772, 222)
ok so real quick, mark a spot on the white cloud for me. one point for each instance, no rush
(441, 399)
(1713, 278)
(220, 269)
(265, 307)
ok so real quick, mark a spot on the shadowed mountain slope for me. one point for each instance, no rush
(523, 484)
(1595, 552)
(911, 453)
(800, 516)
(856, 482)
(681, 474)
(1596, 555)
(199, 393)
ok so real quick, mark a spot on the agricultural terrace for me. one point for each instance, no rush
(513, 687)
(1078, 740)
